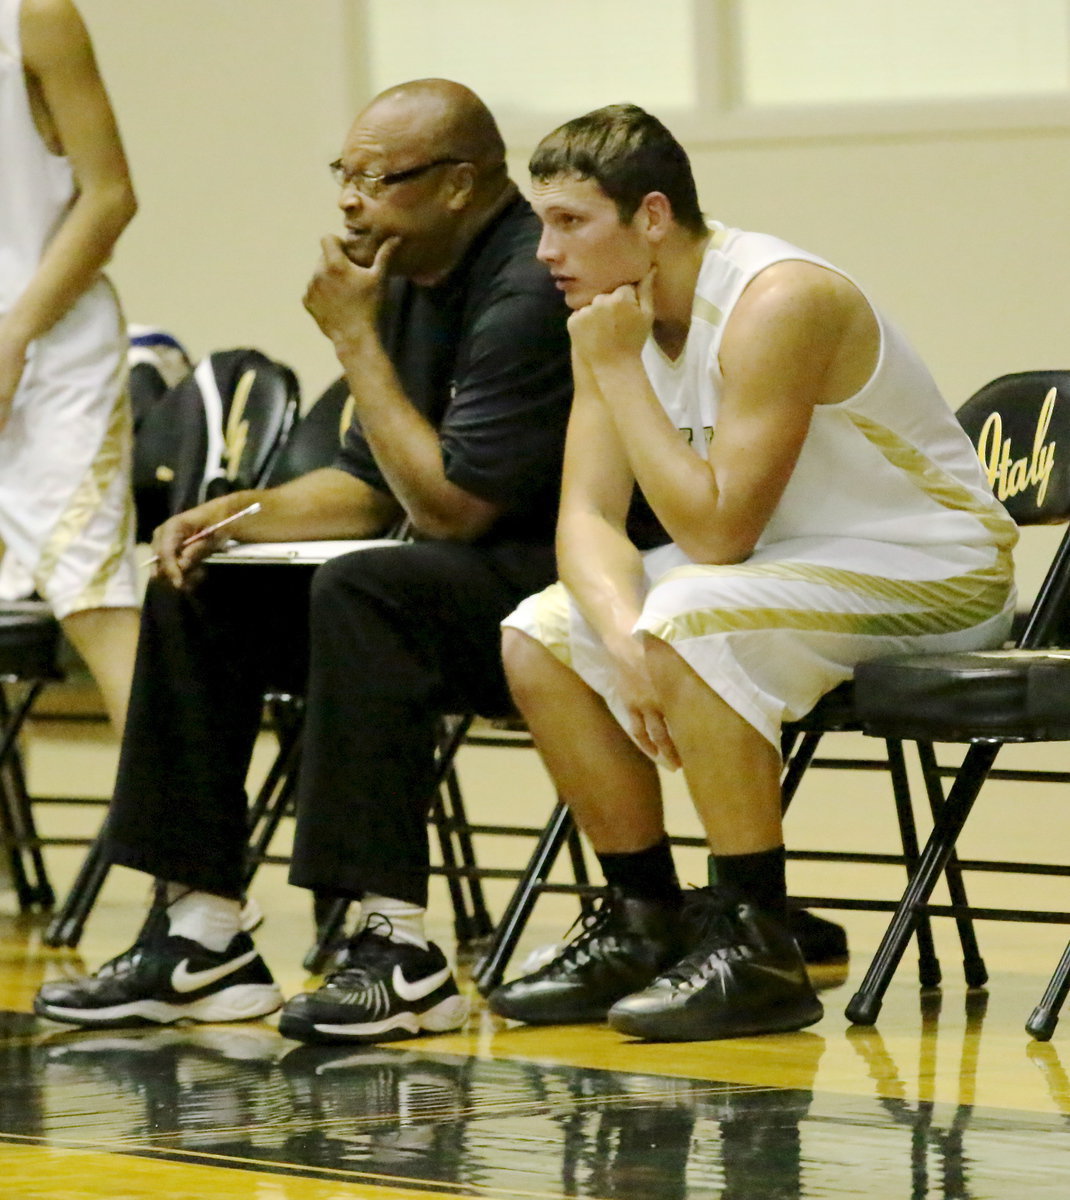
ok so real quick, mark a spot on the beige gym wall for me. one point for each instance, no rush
(230, 110)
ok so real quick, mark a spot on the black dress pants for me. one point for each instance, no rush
(387, 639)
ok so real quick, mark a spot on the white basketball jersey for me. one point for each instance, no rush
(869, 464)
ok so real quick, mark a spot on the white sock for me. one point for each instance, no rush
(406, 920)
(205, 918)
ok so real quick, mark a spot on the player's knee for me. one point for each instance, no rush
(526, 662)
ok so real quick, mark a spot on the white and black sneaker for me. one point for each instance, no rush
(162, 979)
(383, 991)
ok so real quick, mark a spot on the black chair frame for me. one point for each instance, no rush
(17, 826)
(984, 739)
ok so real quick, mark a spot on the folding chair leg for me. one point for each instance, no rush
(462, 917)
(16, 817)
(579, 869)
(330, 921)
(798, 753)
(271, 807)
(973, 965)
(866, 1003)
(19, 829)
(489, 971)
(928, 964)
(288, 733)
(1045, 1016)
(67, 925)
(472, 921)
(24, 889)
(477, 923)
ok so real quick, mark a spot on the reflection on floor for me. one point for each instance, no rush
(470, 1125)
(515, 1113)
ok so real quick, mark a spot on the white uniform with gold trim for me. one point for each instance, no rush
(66, 516)
(886, 540)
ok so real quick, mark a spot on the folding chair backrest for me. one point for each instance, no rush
(219, 430)
(249, 403)
(1020, 425)
(316, 436)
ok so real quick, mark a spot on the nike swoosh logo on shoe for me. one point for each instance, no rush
(776, 972)
(421, 988)
(185, 980)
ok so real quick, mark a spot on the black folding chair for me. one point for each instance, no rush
(218, 430)
(316, 436)
(985, 699)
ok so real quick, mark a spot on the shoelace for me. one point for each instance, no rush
(711, 912)
(369, 948)
(591, 925)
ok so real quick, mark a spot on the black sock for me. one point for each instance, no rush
(644, 874)
(759, 877)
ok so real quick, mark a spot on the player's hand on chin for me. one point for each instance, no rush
(614, 323)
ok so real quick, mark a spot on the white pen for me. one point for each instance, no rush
(201, 534)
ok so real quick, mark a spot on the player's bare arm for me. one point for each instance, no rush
(800, 336)
(597, 561)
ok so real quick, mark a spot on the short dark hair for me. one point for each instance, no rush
(629, 154)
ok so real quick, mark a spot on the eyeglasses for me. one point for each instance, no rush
(371, 184)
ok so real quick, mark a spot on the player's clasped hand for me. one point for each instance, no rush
(646, 719)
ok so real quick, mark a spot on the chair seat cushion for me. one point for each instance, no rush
(835, 711)
(29, 640)
(1017, 695)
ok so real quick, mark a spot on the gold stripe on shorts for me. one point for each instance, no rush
(112, 460)
(552, 609)
(926, 607)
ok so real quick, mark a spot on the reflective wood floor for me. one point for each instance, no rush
(946, 1097)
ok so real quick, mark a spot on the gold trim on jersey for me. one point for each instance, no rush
(705, 310)
(935, 482)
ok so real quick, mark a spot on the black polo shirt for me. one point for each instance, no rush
(484, 356)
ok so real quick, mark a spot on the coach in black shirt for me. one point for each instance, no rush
(452, 338)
